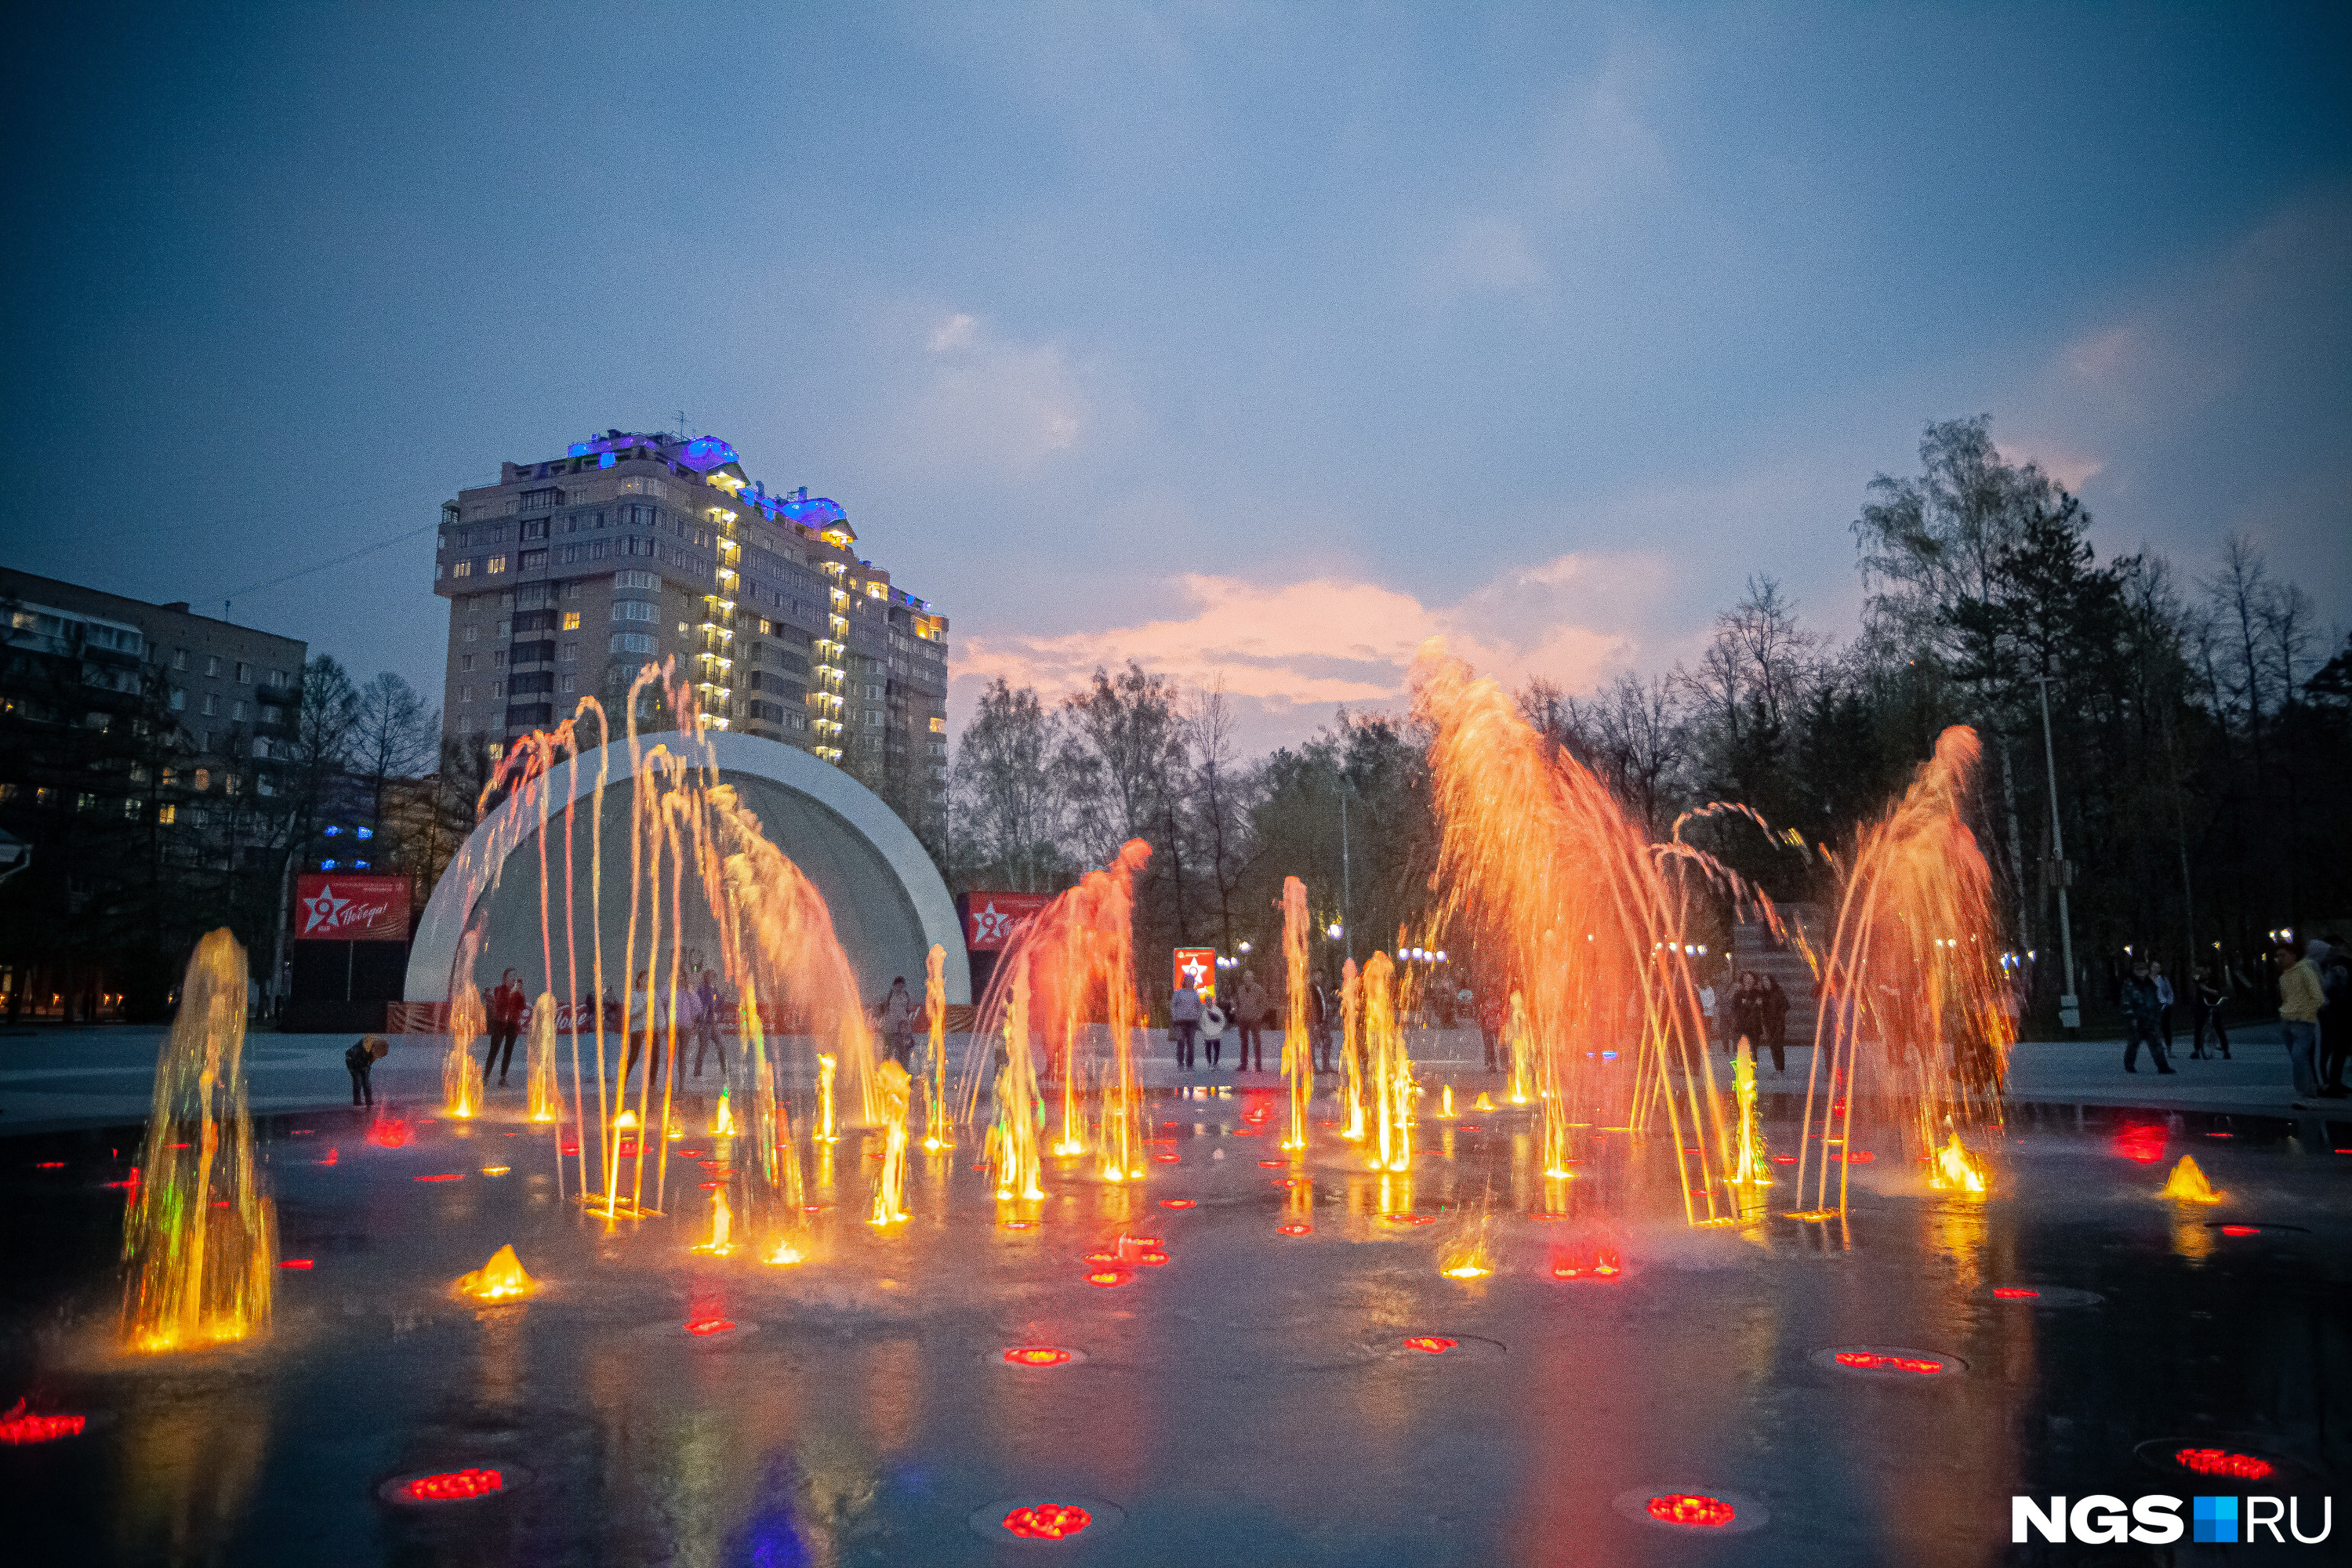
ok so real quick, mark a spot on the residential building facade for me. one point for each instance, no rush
(141, 753)
(570, 575)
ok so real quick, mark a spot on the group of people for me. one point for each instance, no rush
(2314, 1013)
(1195, 1023)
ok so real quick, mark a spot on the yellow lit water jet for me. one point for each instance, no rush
(1518, 1042)
(827, 1132)
(1954, 1171)
(461, 1091)
(1467, 1257)
(546, 1104)
(2188, 1184)
(897, 1095)
(722, 1125)
(200, 1234)
(500, 1279)
(722, 1226)
(1484, 1102)
(1446, 1102)
(1019, 1111)
(786, 1253)
(938, 1128)
(1390, 1069)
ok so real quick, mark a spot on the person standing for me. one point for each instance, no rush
(1249, 1004)
(1707, 1009)
(897, 1015)
(2328, 957)
(1318, 1023)
(2141, 1012)
(2301, 996)
(1490, 1025)
(2211, 993)
(648, 1012)
(2164, 1000)
(362, 1059)
(1184, 1022)
(1773, 1004)
(706, 1023)
(508, 1006)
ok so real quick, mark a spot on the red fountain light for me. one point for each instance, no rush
(2221, 1462)
(303, 1263)
(2015, 1293)
(50, 1165)
(1047, 1521)
(1869, 1360)
(1107, 1277)
(703, 1328)
(17, 1428)
(1036, 1356)
(2142, 1142)
(1272, 1164)
(1177, 1204)
(1294, 1228)
(1151, 1259)
(1430, 1344)
(445, 1176)
(1695, 1509)
(2241, 1230)
(390, 1132)
(1599, 1264)
(454, 1486)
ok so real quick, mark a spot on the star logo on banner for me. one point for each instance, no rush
(323, 910)
(1194, 972)
(988, 926)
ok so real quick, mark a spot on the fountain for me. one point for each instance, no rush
(546, 1100)
(461, 1090)
(200, 1234)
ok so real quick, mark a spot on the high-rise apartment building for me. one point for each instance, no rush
(568, 576)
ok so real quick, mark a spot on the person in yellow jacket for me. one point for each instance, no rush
(2301, 996)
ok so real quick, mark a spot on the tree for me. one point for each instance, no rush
(1009, 812)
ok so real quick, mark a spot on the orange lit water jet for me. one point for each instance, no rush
(1912, 987)
(1297, 1049)
(1547, 877)
(461, 1092)
(938, 1126)
(200, 1234)
(1020, 1111)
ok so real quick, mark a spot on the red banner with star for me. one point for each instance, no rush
(1197, 967)
(329, 907)
(991, 919)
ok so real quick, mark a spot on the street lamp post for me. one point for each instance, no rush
(2070, 1005)
(1347, 893)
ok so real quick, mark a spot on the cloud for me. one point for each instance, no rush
(980, 401)
(1290, 654)
(1486, 253)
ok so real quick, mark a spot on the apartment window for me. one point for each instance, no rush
(497, 564)
(571, 683)
(235, 711)
(212, 704)
(244, 673)
(570, 620)
(277, 677)
(260, 748)
(572, 590)
(632, 642)
(180, 659)
(462, 569)
(535, 530)
(44, 797)
(204, 775)
(466, 726)
(211, 664)
(939, 726)
(465, 662)
(498, 690)
(534, 560)
(570, 652)
(636, 579)
(85, 802)
(465, 694)
(167, 814)
(636, 610)
(873, 718)
(506, 629)
(178, 700)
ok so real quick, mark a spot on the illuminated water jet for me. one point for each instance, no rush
(499, 1280)
(200, 1234)
(2188, 1184)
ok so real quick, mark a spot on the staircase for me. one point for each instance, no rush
(1753, 947)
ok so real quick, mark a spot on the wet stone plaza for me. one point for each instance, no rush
(1251, 1355)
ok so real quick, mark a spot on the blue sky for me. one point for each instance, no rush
(1255, 342)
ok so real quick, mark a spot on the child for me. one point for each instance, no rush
(362, 1059)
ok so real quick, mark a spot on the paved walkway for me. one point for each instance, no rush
(104, 1076)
